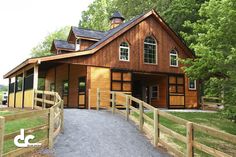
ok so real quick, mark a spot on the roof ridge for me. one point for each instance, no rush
(88, 29)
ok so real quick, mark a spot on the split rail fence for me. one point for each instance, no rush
(132, 105)
(47, 105)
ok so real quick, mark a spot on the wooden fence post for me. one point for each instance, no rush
(89, 99)
(2, 128)
(127, 107)
(141, 116)
(156, 127)
(55, 98)
(44, 97)
(51, 128)
(113, 102)
(35, 96)
(62, 116)
(189, 135)
(98, 98)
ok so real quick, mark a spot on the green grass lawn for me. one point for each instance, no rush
(208, 119)
(16, 125)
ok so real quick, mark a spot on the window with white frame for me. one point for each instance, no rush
(77, 44)
(192, 84)
(174, 58)
(150, 50)
(124, 51)
(154, 92)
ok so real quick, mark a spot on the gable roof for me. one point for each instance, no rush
(113, 31)
(61, 44)
(87, 33)
(105, 38)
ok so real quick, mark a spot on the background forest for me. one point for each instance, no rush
(207, 26)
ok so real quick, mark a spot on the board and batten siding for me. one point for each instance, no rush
(99, 78)
(108, 56)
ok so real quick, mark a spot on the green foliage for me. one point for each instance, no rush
(43, 48)
(214, 41)
(3, 88)
(174, 12)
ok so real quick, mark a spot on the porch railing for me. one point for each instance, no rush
(51, 109)
(153, 128)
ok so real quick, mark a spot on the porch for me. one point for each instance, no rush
(68, 80)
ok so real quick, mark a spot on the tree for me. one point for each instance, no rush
(214, 37)
(175, 12)
(43, 48)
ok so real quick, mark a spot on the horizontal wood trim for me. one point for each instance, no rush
(27, 131)
(121, 112)
(134, 109)
(45, 101)
(56, 132)
(21, 151)
(209, 150)
(146, 105)
(135, 100)
(172, 133)
(147, 118)
(216, 133)
(172, 149)
(173, 118)
(25, 115)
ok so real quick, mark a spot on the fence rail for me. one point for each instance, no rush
(128, 101)
(47, 104)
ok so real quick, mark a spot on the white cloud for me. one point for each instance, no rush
(25, 23)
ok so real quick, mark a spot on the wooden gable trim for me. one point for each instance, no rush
(86, 38)
(70, 34)
(122, 31)
(173, 34)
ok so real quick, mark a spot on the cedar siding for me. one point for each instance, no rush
(98, 64)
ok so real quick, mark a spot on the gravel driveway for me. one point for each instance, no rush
(101, 134)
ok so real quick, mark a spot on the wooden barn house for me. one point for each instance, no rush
(139, 56)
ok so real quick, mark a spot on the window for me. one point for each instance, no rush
(154, 92)
(121, 81)
(65, 87)
(82, 84)
(77, 44)
(150, 55)
(19, 82)
(29, 79)
(124, 51)
(174, 58)
(176, 84)
(192, 84)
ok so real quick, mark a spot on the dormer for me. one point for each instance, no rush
(61, 46)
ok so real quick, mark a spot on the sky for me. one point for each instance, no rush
(25, 23)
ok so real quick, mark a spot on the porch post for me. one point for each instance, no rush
(8, 98)
(35, 84)
(15, 87)
(23, 88)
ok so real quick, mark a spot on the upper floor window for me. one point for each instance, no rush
(192, 84)
(174, 58)
(150, 53)
(77, 44)
(124, 51)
